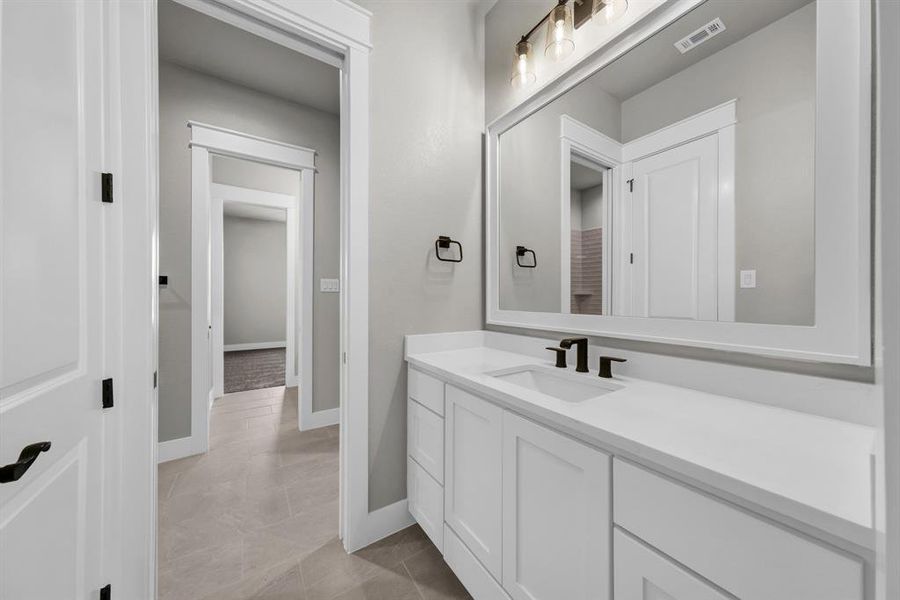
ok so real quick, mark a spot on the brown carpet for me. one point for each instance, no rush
(253, 369)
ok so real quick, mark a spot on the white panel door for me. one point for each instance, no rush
(643, 574)
(472, 475)
(556, 515)
(674, 232)
(54, 300)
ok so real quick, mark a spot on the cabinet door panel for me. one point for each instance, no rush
(472, 475)
(643, 574)
(556, 515)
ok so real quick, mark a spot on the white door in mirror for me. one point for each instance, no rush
(675, 233)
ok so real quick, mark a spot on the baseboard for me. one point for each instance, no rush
(385, 521)
(175, 449)
(320, 418)
(253, 346)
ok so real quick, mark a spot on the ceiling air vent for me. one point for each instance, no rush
(701, 35)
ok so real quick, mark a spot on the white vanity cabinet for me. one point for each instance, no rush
(472, 491)
(522, 511)
(556, 515)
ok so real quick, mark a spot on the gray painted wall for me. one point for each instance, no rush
(772, 73)
(426, 180)
(187, 95)
(255, 286)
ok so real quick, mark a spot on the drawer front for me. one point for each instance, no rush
(425, 439)
(745, 555)
(643, 574)
(426, 390)
(471, 573)
(426, 502)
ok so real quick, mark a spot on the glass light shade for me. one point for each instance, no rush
(560, 33)
(605, 12)
(523, 66)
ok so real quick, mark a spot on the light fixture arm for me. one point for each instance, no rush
(541, 22)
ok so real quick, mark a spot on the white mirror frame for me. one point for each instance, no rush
(842, 329)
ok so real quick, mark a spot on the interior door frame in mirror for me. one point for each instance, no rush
(842, 329)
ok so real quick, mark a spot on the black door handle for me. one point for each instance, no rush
(27, 456)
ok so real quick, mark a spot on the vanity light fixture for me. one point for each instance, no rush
(560, 43)
(560, 32)
(605, 12)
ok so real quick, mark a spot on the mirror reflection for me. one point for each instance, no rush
(677, 182)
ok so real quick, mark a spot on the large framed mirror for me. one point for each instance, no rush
(704, 180)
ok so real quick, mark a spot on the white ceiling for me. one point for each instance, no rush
(657, 58)
(252, 211)
(196, 41)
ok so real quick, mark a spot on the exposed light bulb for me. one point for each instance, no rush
(604, 12)
(560, 33)
(523, 71)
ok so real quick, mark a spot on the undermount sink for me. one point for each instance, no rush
(562, 385)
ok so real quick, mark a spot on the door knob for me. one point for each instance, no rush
(27, 456)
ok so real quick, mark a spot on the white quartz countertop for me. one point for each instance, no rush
(804, 468)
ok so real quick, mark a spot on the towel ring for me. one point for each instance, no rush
(444, 242)
(522, 251)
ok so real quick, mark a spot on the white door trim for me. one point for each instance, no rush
(602, 149)
(338, 32)
(298, 283)
(207, 201)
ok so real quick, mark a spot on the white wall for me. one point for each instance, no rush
(426, 155)
(772, 73)
(255, 286)
(187, 95)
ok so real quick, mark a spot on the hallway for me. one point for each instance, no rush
(257, 517)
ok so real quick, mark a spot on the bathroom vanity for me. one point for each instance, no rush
(539, 483)
(699, 186)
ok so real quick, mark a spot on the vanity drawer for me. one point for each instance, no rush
(745, 555)
(641, 573)
(426, 390)
(425, 498)
(425, 439)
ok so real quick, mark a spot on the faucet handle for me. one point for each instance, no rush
(606, 365)
(560, 356)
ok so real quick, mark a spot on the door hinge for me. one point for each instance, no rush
(630, 183)
(106, 188)
(155, 379)
(106, 592)
(631, 258)
(345, 357)
(108, 400)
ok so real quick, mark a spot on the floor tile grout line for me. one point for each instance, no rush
(412, 579)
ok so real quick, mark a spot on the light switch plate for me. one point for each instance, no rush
(748, 278)
(330, 285)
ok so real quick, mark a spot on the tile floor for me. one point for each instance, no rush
(257, 518)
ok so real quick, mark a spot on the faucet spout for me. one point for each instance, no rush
(581, 347)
